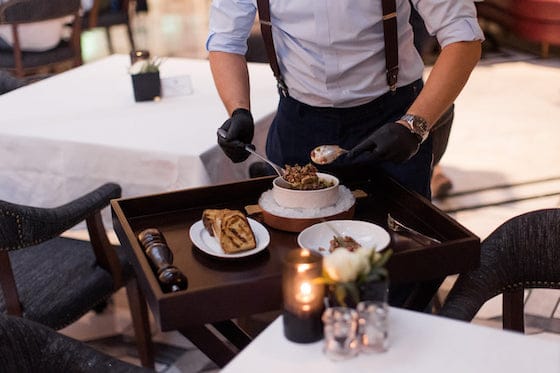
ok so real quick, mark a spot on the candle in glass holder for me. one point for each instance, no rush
(303, 296)
(139, 55)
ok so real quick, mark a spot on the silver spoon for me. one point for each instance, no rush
(325, 154)
(279, 170)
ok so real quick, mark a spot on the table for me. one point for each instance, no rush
(65, 135)
(418, 343)
(220, 290)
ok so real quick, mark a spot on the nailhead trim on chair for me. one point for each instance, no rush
(530, 284)
(19, 230)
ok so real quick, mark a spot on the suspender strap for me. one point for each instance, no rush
(266, 31)
(391, 42)
(389, 33)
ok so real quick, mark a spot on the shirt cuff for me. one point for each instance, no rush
(466, 29)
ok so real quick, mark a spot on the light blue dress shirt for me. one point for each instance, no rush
(331, 52)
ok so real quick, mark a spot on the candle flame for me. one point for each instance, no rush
(304, 293)
(305, 288)
(303, 267)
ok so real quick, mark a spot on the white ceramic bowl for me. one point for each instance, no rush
(305, 199)
(365, 233)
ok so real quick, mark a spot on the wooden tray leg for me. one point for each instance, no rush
(233, 333)
(217, 349)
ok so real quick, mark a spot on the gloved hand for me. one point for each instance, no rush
(391, 142)
(235, 133)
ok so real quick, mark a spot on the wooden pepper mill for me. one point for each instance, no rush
(170, 277)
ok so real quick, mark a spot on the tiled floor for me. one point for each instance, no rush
(502, 158)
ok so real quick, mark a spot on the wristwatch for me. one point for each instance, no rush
(417, 125)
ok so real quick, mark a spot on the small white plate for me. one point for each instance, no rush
(202, 239)
(365, 233)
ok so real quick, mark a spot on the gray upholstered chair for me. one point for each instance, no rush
(55, 280)
(18, 12)
(27, 346)
(522, 253)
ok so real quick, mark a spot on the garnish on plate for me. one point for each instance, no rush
(337, 242)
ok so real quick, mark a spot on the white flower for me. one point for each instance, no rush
(345, 266)
(364, 253)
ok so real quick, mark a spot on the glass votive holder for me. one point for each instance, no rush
(139, 55)
(303, 296)
(373, 326)
(340, 332)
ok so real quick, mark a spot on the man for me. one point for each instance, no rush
(331, 57)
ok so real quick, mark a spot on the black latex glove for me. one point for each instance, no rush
(235, 133)
(392, 142)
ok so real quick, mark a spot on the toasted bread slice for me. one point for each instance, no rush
(209, 217)
(233, 232)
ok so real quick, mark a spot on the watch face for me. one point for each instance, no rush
(417, 125)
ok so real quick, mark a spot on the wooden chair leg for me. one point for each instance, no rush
(545, 50)
(8, 284)
(512, 311)
(141, 323)
(130, 37)
(109, 41)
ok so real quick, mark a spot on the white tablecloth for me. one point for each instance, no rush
(65, 135)
(418, 343)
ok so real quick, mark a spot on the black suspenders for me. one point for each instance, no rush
(391, 42)
(389, 33)
(263, 7)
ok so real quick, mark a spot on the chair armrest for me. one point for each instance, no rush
(22, 226)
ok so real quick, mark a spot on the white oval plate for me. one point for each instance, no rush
(202, 239)
(365, 233)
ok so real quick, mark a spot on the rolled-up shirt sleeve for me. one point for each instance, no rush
(230, 24)
(450, 21)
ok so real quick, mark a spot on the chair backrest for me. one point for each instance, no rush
(522, 253)
(24, 11)
(105, 13)
(20, 12)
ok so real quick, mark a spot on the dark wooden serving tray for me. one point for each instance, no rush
(221, 289)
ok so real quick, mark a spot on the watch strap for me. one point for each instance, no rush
(417, 125)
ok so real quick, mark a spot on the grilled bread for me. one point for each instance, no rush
(209, 217)
(231, 228)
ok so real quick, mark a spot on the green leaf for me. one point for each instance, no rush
(353, 291)
(385, 255)
(340, 294)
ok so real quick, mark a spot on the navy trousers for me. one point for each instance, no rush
(298, 128)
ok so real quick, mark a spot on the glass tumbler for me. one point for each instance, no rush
(373, 326)
(340, 332)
